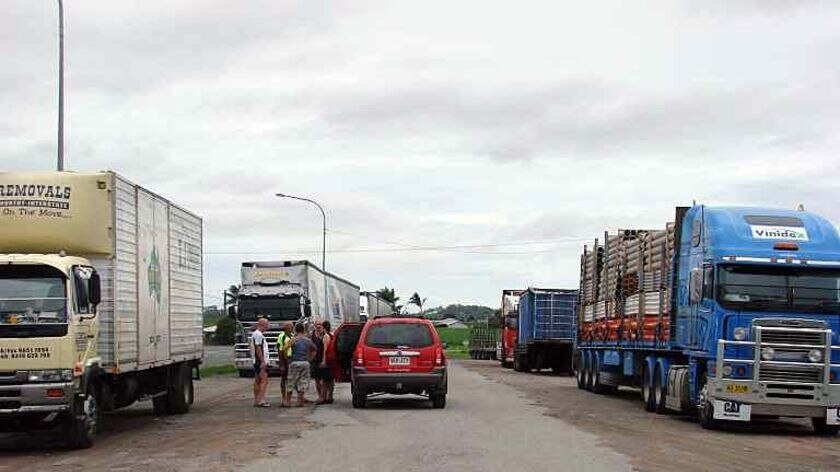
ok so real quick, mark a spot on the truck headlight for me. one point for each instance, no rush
(727, 370)
(54, 375)
(768, 353)
(815, 355)
(740, 333)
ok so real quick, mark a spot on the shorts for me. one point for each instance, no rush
(299, 376)
(322, 373)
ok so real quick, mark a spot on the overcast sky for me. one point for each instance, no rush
(505, 134)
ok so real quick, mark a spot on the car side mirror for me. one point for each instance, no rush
(95, 289)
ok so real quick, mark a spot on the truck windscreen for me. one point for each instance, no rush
(272, 308)
(779, 289)
(32, 295)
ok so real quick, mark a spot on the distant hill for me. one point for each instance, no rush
(461, 312)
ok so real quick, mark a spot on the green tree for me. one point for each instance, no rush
(225, 330)
(388, 294)
(419, 302)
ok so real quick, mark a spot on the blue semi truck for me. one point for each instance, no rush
(732, 313)
(546, 328)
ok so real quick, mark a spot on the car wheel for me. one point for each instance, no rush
(821, 428)
(359, 400)
(438, 400)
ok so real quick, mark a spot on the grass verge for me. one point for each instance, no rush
(212, 370)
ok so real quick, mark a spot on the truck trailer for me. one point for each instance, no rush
(484, 338)
(100, 301)
(282, 292)
(546, 330)
(371, 306)
(510, 326)
(729, 313)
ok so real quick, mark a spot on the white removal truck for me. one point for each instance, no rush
(100, 301)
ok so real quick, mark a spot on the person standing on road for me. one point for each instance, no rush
(259, 352)
(329, 380)
(303, 351)
(320, 371)
(283, 356)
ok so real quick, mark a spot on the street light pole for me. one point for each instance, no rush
(323, 243)
(60, 85)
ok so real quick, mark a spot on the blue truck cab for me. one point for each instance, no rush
(754, 322)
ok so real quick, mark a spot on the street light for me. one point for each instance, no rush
(323, 244)
(60, 85)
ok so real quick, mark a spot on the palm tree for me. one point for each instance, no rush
(388, 294)
(416, 300)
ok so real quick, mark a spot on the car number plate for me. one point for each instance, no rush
(733, 411)
(399, 361)
(832, 416)
(735, 388)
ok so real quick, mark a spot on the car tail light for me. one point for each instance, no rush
(438, 356)
(360, 356)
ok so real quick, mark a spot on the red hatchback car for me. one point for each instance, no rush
(395, 355)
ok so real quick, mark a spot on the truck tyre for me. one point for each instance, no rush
(581, 376)
(83, 421)
(658, 392)
(647, 389)
(159, 405)
(246, 373)
(359, 400)
(706, 411)
(587, 373)
(438, 400)
(597, 386)
(520, 363)
(179, 397)
(823, 429)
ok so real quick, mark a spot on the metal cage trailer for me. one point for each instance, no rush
(729, 313)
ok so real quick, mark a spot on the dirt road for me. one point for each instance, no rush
(495, 419)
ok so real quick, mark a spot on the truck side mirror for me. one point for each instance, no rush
(307, 310)
(95, 289)
(231, 311)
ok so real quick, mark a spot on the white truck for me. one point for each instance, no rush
(284, 291)
(100, 301)
(371, 306)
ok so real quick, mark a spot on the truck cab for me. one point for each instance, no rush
(758, 310)
(48, 331)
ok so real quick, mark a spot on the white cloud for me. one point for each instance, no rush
(433, 123)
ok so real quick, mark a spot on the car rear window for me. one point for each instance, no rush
(399, 335)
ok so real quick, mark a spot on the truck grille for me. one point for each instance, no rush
(786, 374)
(793, 337)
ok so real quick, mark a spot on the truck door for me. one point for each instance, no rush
(340, 351)
(698, 313)
(153, 278)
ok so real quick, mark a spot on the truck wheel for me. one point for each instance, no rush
(658, 392)
(706, 411)
(359, 400)
(519, 362)
(581, 376)
(438, 400)
(180, 394)
(587, 373)
(823, 429)
(647, 389)
(83, 421)
(597, 386)
(246, 373)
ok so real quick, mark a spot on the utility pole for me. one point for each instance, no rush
(60, 85)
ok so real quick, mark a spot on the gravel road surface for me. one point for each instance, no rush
(495, 419)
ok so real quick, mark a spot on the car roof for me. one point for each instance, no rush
(399, 319)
